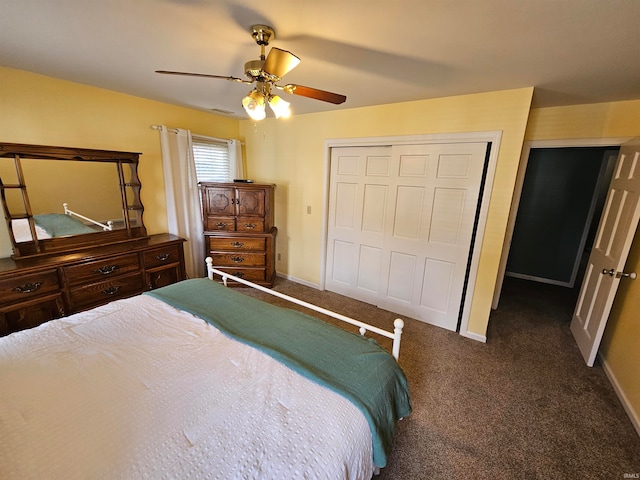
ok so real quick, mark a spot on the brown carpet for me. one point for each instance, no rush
(522, 406)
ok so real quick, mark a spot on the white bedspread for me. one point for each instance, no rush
(22, 232)
(137, 389)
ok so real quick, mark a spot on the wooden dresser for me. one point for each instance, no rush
(239, 231)
(35, 290)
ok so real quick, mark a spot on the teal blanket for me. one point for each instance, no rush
(347, 363)
(61, 225)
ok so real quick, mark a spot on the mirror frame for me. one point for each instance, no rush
(129, 191)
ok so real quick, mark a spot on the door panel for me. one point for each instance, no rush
(434, 226)
(341, 265)
(375, 199)
(448, 215)
(368, 269)
(220, 200)
(402, 267)
(408, 211)
(345, 205)
(358, 199)
(251, 202)
(436, 285)
(609, 253)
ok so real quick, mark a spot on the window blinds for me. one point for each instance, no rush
(212, 160)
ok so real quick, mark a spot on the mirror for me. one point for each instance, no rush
(57, 198)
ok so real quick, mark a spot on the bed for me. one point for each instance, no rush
(197, 380)
(50, 225)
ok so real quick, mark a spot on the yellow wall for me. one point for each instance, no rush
(619, 348)
(291, 154)
(42, 110)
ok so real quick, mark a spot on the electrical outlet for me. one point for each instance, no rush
(279, 258)
(308, 209)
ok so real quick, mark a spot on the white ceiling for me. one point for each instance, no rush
(372, 51)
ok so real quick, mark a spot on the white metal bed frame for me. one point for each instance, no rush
(107, 227)
(398, 323)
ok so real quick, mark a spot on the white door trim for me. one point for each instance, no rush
(517, 192)
(493, 137)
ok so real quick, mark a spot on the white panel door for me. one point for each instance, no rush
(433, 198)
(357, 204)
(400, 226)
(609, 253)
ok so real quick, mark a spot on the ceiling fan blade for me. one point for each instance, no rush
(279, 62)
(204, 75)
(330, 97)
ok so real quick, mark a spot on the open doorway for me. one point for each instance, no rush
(561, 203)
(554, 245)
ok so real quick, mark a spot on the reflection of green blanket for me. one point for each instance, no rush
(353, 366)
(61, 225)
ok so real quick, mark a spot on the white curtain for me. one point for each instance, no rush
(235, 159)
(184, 213)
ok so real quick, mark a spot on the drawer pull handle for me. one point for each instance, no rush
(163, 256)
(28, 287)
(239, 274)
(250, 225)
(111, 290)
(107, 269)
(237, 244)
(221, 224)
(237, 259)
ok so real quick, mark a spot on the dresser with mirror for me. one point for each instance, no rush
(74, 219)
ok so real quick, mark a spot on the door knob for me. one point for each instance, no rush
(611, 272)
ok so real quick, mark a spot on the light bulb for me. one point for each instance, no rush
(253, 104)
(279, 106)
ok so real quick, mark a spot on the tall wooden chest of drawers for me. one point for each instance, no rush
(239, 231)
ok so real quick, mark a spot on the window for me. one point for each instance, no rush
(212, 160)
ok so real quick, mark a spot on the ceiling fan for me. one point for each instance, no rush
(265, 72)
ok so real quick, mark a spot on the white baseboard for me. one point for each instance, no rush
(298, 280)
(474, 336)
(633, 415)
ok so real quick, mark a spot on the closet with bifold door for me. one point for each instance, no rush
(401, 222)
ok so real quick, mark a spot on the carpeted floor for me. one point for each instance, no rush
(522, 406)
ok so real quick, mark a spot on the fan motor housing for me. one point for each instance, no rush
(253, 68)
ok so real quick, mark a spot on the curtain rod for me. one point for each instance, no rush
(176, 130)
(159, 127)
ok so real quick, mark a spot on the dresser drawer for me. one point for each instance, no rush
(25, 287)
(102, 269)
(250, 224)
(239, 259)
(223, 224)
(230, 244)
(30, 313)
(104, 292)
(250, 274)
(162, 256)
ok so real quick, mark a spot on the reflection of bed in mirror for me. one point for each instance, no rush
(99, 185)
(51, 225)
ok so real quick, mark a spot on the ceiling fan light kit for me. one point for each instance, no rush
(279, 106)
(265, 72)
(253, 104)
